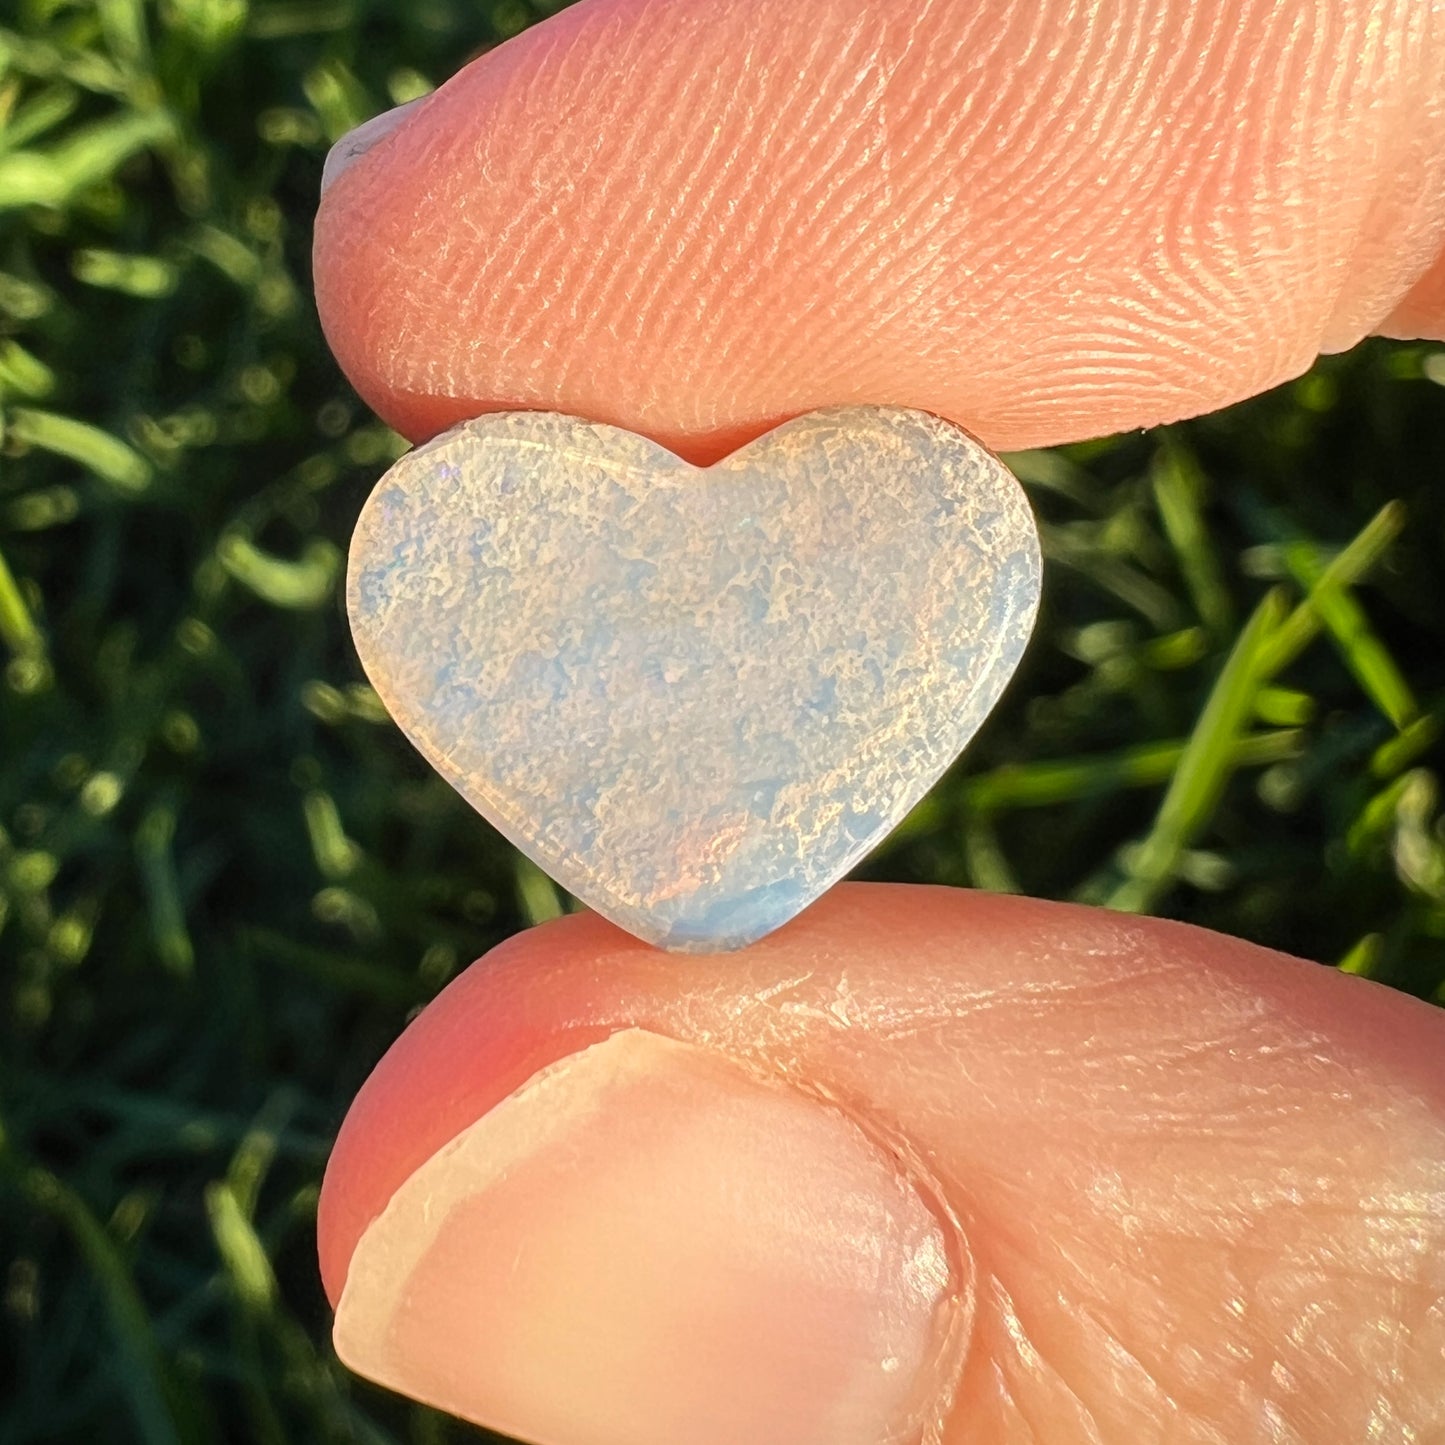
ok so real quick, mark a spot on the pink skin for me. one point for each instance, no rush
(1183, 1189)
(1045, 221)
(1197, 1187)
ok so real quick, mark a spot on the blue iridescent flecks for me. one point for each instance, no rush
(695, 697)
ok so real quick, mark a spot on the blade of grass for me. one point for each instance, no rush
(297, 586)
(1069, 545)
(1178, 487)
(1205, 766)
(242, 1252)
(1038, 785)
(339, 971)
(98, 451)
(1364, 957)
(17, 627)
(1350, 566)
(42, 112)
(336, 855)
(257, 1150)
(1397, 753)
(140, 1368)
(337, 97)
(1284, 707)
(155, 857)
(23, 373)
(147, 277)
(539, 897)
(988, 868)
(254, 1284)
(54, 177)
(1356, 641)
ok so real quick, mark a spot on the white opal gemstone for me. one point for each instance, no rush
(695, 696)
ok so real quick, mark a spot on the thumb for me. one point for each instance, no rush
(694, 218)
(922, 1165)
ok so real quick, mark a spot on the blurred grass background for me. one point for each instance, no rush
(225, 881)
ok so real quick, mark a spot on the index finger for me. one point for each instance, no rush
(1044, 221)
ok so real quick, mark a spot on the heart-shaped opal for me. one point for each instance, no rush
(695, 696)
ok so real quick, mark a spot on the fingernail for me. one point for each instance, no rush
(355, 143)
(645, 1244)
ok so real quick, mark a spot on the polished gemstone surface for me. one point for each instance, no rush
(695, 697)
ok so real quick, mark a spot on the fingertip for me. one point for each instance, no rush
(1042, 224)
(609, 1250)
(821, 990)
(472, 1046)
(1079, 1104)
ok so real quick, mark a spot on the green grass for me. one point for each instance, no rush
(225, 882)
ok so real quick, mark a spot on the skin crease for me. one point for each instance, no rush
(1043, 221)
(1203, 1185)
